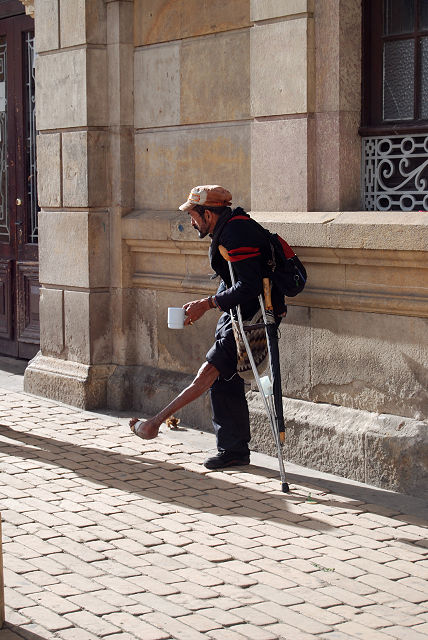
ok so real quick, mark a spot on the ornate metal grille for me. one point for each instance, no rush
(395, 173)
(4, 213)
(32, 223)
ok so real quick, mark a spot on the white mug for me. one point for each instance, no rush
(175, 317)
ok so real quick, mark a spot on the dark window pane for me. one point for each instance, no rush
(4, 211)
(424, 78)
(30, 142)
(398, 80)
(399, 17)
(423, 14)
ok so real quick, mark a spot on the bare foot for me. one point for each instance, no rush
(146, 430)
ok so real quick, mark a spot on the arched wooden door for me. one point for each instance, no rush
(19, 286)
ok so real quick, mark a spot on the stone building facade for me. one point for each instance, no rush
(138, 101)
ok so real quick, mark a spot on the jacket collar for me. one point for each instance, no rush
(221, 223)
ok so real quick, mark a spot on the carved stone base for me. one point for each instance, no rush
(383, 450)
(80, 385)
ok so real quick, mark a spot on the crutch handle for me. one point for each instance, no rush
(266, 291)
(224, 253)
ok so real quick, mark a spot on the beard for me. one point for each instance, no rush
(201, 232)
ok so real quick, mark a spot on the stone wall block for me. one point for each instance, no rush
(73, 22)
(51, 321)
(74, 248)
(163, 20)
(61, 95)
(268, 9)
(327, 160)
(279, 68)
(170, 163)
(97, 87)
(99, 249)
(83, 22)
(49, 170)
(215, 92)
(100, 327)
(99, 193)
(46, 25)
(370, 361)
(96, 22)
(85, 174)
(182, 350)
(157, 86)
(279, 165)
(75, 169)
(134, 326)
(350, 161)
(295, 352)
(87, 326)
(77, 320)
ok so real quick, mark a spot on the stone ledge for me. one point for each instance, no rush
(344, 272)
(391, 230)
(383, 450)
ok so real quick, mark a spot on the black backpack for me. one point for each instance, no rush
(283, 267)
(287, 273)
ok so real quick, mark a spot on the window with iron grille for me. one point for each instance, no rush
(395, 105)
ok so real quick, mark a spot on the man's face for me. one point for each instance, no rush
(199, 222)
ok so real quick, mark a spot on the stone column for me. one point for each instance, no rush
(82, 151)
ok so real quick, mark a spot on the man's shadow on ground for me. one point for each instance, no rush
(151, 478)
(166, 482)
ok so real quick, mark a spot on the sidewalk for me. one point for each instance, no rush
(106, 536)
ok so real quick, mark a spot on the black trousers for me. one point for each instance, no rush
(231, 419)
(230, 415)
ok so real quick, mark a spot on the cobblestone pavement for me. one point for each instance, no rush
(106, 536)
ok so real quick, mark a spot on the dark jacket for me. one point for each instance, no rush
(249, 250)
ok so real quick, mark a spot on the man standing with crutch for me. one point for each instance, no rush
(248, 250)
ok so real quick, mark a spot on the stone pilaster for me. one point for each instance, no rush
(305, 100)
(84, 116)
(337, 150)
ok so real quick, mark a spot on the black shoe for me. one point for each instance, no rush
(226, 459)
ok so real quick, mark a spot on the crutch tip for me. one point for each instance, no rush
(284, 487)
